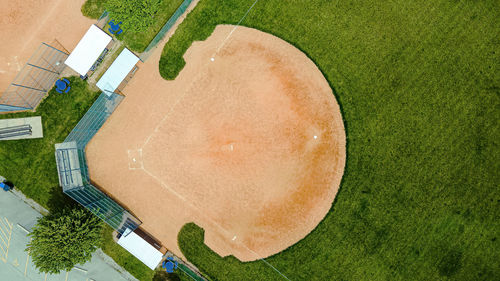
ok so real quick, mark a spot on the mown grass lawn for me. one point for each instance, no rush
(31, 166)
(419, 87)
(136, 41)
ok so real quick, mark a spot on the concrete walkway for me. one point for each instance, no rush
(16, 220)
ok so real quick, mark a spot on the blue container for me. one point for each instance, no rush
(4, 186)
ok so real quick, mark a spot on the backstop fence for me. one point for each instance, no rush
(35, 79)
(73, 170)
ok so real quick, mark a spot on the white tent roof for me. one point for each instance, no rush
(117, 71)
(88, 50)
(141, 249)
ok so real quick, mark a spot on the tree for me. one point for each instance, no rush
(135, 15)
(61, 241)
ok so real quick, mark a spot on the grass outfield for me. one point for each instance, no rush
(31, 166)
(419, 86)
(136, 41)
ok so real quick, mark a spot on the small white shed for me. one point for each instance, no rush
(140, 248)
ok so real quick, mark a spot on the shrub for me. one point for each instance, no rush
(135, 15)
(60, 241)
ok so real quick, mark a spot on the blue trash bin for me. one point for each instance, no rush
(4, 186)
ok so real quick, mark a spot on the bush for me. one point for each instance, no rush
(60, 241)
(135, 15)
(93, 8)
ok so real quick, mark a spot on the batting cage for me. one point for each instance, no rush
(73, 171)
(35, 79)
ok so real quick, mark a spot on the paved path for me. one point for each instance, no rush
(16, 218)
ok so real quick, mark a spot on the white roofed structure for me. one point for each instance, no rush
(140, 248)
(115, 74)
(88, 50)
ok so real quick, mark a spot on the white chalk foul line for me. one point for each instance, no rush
(235, 27)
(227, 232)
(164, 185)
(168, 114)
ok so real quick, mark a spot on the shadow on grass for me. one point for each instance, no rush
(58, 201)
(164, 276)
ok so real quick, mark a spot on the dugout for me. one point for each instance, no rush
(89, 51)
(123, 66)
(140, 248)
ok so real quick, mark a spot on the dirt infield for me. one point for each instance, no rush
(26, 24)
(248, 143)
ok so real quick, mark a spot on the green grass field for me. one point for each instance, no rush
(31, 166)
(136, 41)
(419, 87)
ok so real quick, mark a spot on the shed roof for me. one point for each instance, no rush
(118, 70)
(88, 50)
(140, 248)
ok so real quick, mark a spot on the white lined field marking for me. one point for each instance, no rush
(213, 222)
(27, 260)
(23, 228)
(135, 159)
(210, 219)
(166, 115)
(155, 130)
(165, 186)
(232, 31)
(5, 235)
(80, 269)
(199, 74)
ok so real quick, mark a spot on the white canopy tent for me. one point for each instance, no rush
(141, 249)
(115, 74)
(88, 50)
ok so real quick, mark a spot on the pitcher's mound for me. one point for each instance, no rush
(248, 142)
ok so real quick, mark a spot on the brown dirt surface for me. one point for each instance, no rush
(26, 24)
(249, 146)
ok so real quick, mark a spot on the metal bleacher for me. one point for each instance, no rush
(15, 131)
(73, 171)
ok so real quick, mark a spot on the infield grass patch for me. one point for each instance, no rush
(419, 86)
(93, 8)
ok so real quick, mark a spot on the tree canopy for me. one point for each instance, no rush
(135, 15)
(60, 241)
